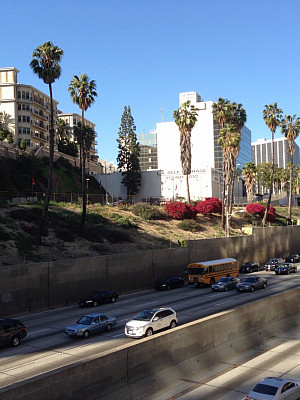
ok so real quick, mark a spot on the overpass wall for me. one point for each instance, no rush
(133, 371)
(34, 287)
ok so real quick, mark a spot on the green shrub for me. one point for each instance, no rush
(32, 214)
(125, 223)
(147, 212)
(189, 225)
(4, 236)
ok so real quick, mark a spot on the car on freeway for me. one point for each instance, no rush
(11, 332)
(285, 268)
(273, 263)
(170, 283)
(149, 321)
(89, 324)
(275, 389)
(250, 266)
(293, 258)
(251, 283)
(226, 283)
(98, 297)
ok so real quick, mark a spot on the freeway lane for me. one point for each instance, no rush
(47, 347)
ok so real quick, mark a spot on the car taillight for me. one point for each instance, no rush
(25, 328)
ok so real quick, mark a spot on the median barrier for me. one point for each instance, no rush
(138, 369)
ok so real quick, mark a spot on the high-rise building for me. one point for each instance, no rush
(262, 152)
(25, 110)
(148, 150)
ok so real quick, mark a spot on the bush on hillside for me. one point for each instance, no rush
(258, 210)
(147, 211)
(189, 225)
(177, 210)
(211, 205)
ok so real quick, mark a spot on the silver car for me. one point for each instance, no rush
(226, 283)
(275, 389)
(91, 323)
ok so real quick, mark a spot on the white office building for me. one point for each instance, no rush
(262, 152)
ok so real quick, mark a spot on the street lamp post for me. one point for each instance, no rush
(228, 216)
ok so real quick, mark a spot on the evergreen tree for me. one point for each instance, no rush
(129, 152)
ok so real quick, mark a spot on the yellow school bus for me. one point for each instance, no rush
(208, 272)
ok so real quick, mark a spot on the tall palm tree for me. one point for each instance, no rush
(272, 116)
(45, 63)
(83, 93)
(249, 174)
(238, 118)
(221, 112)
(186, 118)
(290, 126)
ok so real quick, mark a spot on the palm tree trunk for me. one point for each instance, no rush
(50, 170)
(83, 180)
(271, 184)
(188, 189)
(291, 185)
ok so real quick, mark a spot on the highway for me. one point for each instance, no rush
(46, 347)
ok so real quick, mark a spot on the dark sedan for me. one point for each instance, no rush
(98, 297)
(293, 258)
(170, 283)
(273, 263)
(251, 283)
(250, 266)
(285, 268)
(224, 284)
(89, 324)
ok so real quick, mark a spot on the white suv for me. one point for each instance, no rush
(149, 321)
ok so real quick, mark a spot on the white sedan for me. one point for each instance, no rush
(275, 389)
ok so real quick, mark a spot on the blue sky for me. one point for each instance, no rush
(144, 53)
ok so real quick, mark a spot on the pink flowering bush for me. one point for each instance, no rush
(209, 206)
(258, 210)
(180, 211)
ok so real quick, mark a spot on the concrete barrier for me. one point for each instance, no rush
(131, 371)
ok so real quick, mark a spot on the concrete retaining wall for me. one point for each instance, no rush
(40, 286)
(131, 371)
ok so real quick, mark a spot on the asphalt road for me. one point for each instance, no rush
(46, 347)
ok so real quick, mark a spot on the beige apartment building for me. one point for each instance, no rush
(25, 110)
(26, 114)
(71, 120)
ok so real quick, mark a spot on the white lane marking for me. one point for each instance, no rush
(223, 302)
(120, 334)
(30, 333)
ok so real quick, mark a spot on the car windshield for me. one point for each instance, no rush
(144, 315)
(272, 261)
(247, 264)
(223, 280)
(197, 271)
(85, 320)
(248, 280)
(265, 389)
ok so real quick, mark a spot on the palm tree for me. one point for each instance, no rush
(249, 174)
(45, 63)
(83, 93)
(186, 118)
(272, 117)
(290, 126)
(221, 113)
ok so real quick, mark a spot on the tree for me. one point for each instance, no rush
(186, 118)
(83, 93)
(45, 63)
(272, 117)
(23, 144)
(290, 126)
(249, 174)
(129, 152)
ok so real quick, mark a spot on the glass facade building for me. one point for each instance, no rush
(148, 150)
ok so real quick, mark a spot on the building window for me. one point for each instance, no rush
(19, 94)
(19, 118)
(19, 106)
(27, 95)
(23, 95)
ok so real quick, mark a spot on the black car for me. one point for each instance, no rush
(273, 263)
(250, 266)
(11, 331)
(285, 268)
(226, 283)
(98, 297)
(251, 283)
(293, 258)
(170, 283)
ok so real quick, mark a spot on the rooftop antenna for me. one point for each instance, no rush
(161, 113)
